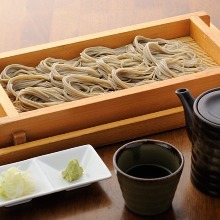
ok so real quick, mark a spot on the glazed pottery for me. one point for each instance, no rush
(149, 192)
(202, 117)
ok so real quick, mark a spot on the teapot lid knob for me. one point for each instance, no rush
(209, 105)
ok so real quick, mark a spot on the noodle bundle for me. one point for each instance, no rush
(96, 71)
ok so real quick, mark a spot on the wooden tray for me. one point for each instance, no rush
(113, 117)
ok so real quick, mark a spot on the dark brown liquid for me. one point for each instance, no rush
(148, 171)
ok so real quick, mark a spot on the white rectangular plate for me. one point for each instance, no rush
(46, 171)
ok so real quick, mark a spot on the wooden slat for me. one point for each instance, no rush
(7, 108)
(206, 37)
(97, 136)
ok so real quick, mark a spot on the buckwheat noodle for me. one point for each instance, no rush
(96, 71)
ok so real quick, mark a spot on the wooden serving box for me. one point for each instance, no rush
(112, 117)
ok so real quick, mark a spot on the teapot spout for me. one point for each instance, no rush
(187, 101)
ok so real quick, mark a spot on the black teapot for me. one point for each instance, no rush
(202, 116)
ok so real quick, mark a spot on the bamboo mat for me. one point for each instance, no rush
(206, 59)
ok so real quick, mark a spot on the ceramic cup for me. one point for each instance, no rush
(148, 173)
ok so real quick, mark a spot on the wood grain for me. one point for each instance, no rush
(103, 200)
(113, 106)
(26, 23)
(38, 22)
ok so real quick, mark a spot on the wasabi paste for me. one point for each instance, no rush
(73, 171)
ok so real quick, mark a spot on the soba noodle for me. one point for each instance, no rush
(96, 71)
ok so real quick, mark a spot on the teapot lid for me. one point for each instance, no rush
(209, 106)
